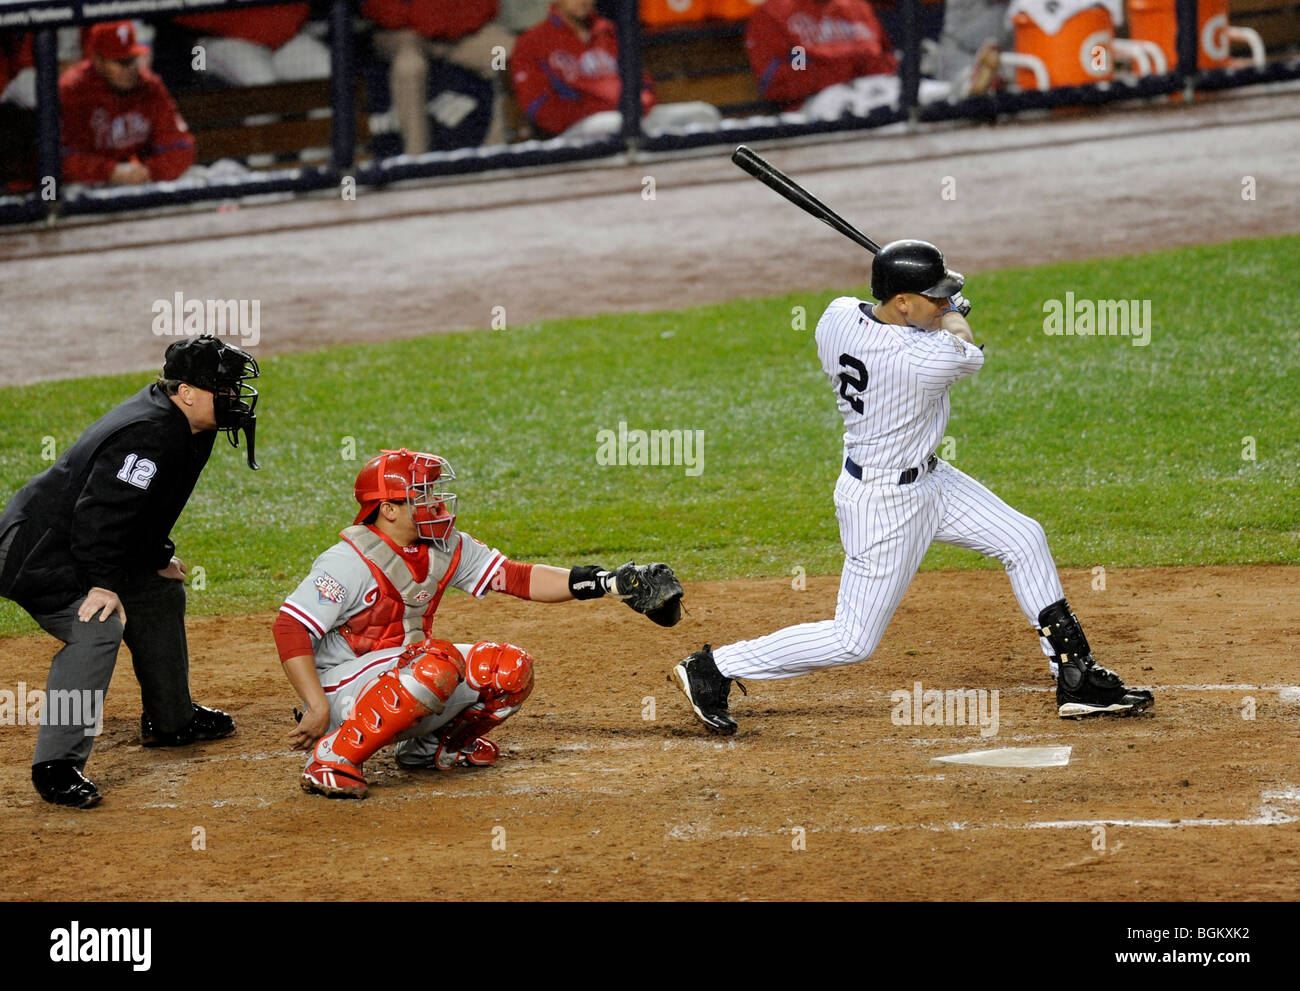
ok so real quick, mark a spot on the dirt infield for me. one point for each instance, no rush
(819, 796)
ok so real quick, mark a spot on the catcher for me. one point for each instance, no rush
(354, 636)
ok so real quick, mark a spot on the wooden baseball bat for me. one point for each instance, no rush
(768, 174)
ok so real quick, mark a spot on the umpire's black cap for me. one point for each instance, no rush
(207, 363)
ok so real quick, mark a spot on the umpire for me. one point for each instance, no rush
(85, 549)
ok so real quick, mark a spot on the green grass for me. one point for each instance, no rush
(1129, 456)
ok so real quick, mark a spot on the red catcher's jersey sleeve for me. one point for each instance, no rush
(269, 26)
(841, 40)
(444, 19)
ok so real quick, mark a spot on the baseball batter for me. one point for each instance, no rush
(354, 636)
(890, 366)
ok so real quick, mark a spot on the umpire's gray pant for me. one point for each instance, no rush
(80, 672)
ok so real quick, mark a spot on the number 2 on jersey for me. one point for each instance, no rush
(856, 383)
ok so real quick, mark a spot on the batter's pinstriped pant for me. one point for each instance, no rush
(886, 530)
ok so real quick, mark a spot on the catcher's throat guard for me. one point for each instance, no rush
(412, 477)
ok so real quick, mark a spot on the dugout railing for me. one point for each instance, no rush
(47, 199)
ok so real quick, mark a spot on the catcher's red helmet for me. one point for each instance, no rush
(410, 476)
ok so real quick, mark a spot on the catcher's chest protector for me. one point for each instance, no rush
(403, 613)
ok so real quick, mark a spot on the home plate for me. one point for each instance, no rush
(1013, 757)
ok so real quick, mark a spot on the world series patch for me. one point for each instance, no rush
(328, 589)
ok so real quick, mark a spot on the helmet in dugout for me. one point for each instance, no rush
(913, 266)
(414, 477)
(225, 371)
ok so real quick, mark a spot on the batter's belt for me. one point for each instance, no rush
(886, 475)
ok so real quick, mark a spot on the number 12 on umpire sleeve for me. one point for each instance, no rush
(848, 381)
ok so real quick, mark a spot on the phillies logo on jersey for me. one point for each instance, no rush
(329, 589)
(122, 131)
(814, 30)
(423, 597)
(592, 64)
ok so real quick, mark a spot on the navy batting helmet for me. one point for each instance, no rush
(913, 266)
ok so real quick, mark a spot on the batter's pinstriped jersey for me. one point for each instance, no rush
(891, 383)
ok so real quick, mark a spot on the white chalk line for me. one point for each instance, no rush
(1185, 688)
(1269, 814)
(1292, 691)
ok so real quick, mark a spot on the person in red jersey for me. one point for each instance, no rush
(120, 125)
(826, 58)
(355, 637)
(798, 48)
(566, 78)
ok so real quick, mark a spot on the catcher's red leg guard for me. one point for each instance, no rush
(423, 680)
(502, 674)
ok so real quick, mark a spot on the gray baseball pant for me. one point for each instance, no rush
(82, 669)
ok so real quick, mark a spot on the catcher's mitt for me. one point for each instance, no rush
(651, 589)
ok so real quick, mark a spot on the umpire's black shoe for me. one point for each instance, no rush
(62, 783)
(1085, 688)
(706, 689)
(207, 724)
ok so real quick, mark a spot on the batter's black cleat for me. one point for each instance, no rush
(62, 783)
(706, 689)
(207, 724)
(1085, 688)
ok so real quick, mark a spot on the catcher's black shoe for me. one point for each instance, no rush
(706, 689)
(207, 724)
(62, 783)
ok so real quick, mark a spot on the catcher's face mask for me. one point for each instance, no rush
(416, 479)
(433, 510)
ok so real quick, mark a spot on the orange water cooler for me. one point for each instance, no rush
(1156, 21)
(1078, 54)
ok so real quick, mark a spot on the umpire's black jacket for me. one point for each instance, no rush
(105, 509)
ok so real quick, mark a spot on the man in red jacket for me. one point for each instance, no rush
(120, 125)
(800, 48)
(566, 78)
